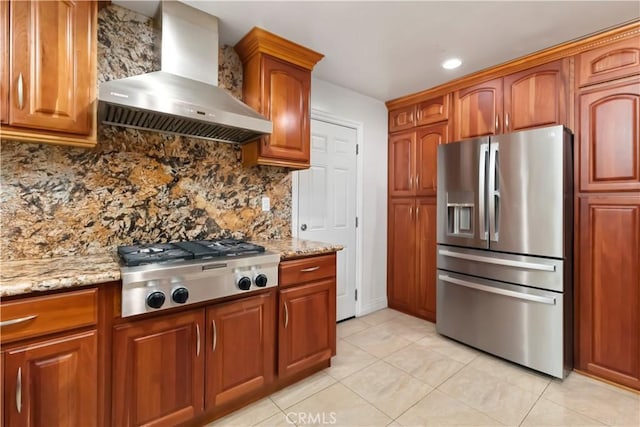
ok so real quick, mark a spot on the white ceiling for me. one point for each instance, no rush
(391, 49)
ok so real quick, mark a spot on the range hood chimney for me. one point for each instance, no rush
(183, 98)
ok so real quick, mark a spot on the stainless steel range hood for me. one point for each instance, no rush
(183, 98)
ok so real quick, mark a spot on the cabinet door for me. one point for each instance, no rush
(52, 65)
(427, 141)
(53, 382)
(433, 110)
(536, 97)
(4, 62)
(609, 62)
(402, 171)
(286, 103)
(609, 139)
(307, 326)
(401, 268)
(240, 352)
(158, 370)
(608, 289)
(478, 110)
(426, 258)
(402, 118)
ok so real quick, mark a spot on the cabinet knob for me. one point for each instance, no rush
(303, 227)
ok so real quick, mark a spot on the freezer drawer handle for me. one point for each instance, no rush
(507, 262)
(491, 289)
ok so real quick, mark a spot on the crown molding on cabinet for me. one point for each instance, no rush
(537, 58)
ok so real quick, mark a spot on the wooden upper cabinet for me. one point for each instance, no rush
(402, 171)
(158, 370)
(240, 356)
(536, 97)
(52, 65)
(478, 110)
(609, 62)
(277, 84)
(286, 102)
(53, 382)
(609, 140)
(427, 140)
(608, 297)
(531, 98)
(402, 118)
(4, 62)
(433, 110)
(412, 160)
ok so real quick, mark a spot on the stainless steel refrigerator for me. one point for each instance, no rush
(504, 257)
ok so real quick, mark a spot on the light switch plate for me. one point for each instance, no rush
(266, 204)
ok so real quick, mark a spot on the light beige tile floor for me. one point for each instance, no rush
(395, 370)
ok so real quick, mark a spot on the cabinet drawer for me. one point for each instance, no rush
(306, 269)
(53, 313)
(613, 61)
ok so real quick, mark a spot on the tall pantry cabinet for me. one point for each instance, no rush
(415, 133)
(607, 154)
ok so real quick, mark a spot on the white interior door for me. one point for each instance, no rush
(327, 203)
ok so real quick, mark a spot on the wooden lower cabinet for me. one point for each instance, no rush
(52, 382)
(401, 270)
(307, 326)
(608, 288)
(158, 370)
(240, 352)
(411, 269)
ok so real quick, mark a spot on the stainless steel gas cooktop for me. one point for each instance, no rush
(169, 275)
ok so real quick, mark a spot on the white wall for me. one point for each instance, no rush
(372, 115)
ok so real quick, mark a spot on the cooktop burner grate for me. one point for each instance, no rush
(135, 255)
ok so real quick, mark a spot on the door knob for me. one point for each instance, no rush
(303, 227)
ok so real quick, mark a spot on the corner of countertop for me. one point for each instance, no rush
(291, 248)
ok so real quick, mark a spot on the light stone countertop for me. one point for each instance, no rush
(20, 277)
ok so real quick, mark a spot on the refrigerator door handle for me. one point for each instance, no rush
(494, 193)
(482, 191)
(491, 289)
(499, 261)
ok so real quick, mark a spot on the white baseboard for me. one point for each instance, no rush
(372, 305)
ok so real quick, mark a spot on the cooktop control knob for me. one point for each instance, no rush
(244, 283)
(180, 295)
(261, 280)
(155, 299)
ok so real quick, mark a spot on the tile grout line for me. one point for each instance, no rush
(534, 404)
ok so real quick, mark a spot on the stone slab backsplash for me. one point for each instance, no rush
(135, 186)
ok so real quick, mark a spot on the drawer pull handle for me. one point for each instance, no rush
(20, 92)
(286, 315)
(310, 269)
(215, 335)
(19, 391)
(16, 321)
(197, 339)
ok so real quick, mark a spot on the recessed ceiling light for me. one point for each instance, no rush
(452, 63)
